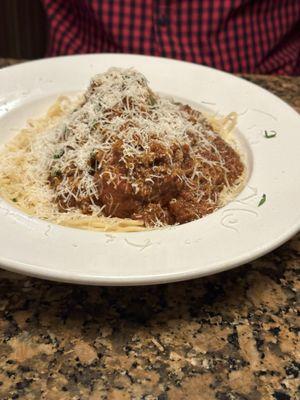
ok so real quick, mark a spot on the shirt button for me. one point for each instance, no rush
(163, 20)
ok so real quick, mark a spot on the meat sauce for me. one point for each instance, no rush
(163, 187)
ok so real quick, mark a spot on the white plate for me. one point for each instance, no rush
(233, 235)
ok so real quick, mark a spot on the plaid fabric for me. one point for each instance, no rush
(254, 36)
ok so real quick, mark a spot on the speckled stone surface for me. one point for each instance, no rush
(232, 336)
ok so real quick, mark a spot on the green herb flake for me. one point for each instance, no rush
(262, 200)
(59, 154)
(56, 173)
(152, 100)
(94, 124)
(270, 135)
(14, 200)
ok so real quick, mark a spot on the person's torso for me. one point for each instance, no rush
(238, 35)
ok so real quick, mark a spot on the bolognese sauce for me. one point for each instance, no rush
(134, 154)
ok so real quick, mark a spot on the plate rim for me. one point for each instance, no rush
(41, 272)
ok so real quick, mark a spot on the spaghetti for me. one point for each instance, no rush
(121, 158)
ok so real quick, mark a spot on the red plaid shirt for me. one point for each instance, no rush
(255, 36)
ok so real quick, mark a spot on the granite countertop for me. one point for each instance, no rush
(232, 336)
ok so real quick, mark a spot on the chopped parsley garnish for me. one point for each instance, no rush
(14, 200)
(94, 124)
(152, 100)
(270, 135)
(58, 154)
(262, 200)
(56, 173)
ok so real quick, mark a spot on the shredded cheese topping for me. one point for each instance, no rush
(118, 105)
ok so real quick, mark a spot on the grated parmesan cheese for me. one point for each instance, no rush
(118, 105)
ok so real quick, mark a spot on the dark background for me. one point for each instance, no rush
(22, 29)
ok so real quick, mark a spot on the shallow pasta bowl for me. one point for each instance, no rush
(263, 216)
